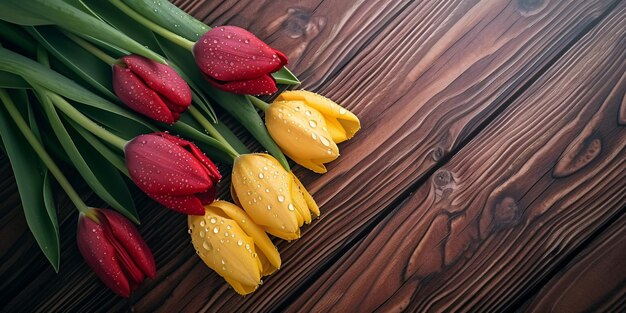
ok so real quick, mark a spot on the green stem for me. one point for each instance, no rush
(262, 105)
(183, 42)
(212, 131)
(43, 155)
(86, 122)
(92, 49)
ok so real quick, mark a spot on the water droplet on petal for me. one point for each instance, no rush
(281, 198)
(291, 208)
(216, 230)
(312, 123)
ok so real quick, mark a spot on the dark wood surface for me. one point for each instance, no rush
(490, 172)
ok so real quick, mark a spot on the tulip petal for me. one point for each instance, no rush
(161, 167)
(136, 95)
(301, 133)
(128, 236)
(160, 78)
(261, 240)
(207, 197)
(262, 85)
(261, 186)
(230, 53)
(300, 205)
(342, 124)
(313, 207)
(188, 204)
(99, 254)
(210, 167)
(223, 246)
(289, 236)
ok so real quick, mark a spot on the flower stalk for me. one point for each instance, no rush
(227, 147)
(92, 49)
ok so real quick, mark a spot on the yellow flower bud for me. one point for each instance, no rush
(274, 198)
(230, 243)
(308, 127)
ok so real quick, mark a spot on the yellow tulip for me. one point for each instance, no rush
(230, 243)
(274, 198)
(308, 127)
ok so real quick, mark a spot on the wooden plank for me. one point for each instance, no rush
(403, 67)
(594, 281)
(524, 194)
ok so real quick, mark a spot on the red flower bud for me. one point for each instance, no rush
(234, 60)
(172, 171)
(151, 88)
(114, 250)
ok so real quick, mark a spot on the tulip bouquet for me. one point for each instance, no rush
(122, 91)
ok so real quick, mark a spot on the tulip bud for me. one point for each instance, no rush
(172, 171)
(234, 60)
(151, 88)
(233, 245)
(307, 127)
(274, 198)
(114, 250)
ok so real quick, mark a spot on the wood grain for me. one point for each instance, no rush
(423, 76)
(520, 197)
(594, 281)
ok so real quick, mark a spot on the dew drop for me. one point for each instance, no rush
(261, 175)
(307, 113)
(291, 208)
(281, 198)
(314, 136)
(202, 223)
(312, 123)
(325, 141)
(202, 234)
(207, 246)
(240, 242)
(213, 220)
(216, 230)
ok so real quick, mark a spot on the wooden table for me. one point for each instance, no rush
(490, 173)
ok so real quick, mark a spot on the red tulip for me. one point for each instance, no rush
(172, 171)
(114, 249)
(151, 88)
(234, 60)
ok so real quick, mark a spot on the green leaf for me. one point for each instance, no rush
(91, 69)
(98, 173)
(10, 80)
(64, 15)
(37, 74)
(232, 139)
(286, 77)
(170, 17)
(17, 36)
(236, 105)
(34, 188)
(118, 20)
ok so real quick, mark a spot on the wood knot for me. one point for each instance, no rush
(506, 212)
(577, 155)
(531, 7)
(301, 23)
(442, 178)
(437, 153)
